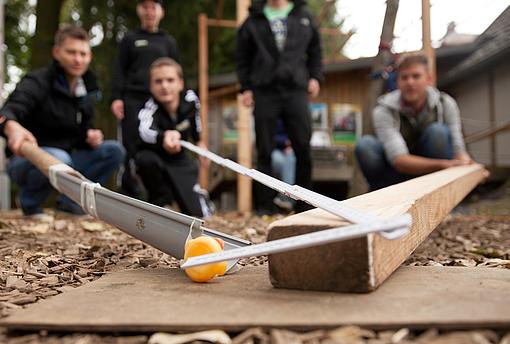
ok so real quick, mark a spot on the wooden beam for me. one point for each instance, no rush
(222, 23)
(483, 134)
(244, 147)
(362, 265)
(223, 91)
(203, 89)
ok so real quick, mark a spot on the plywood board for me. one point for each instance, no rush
(165, 300)
(362, 265)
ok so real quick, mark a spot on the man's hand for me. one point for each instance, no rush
(464, 156)
(94, 138)
(203, 160)
(443, 164)
(313, 88)
(171, 141)
(16, 135)
(247, 98)
(118, 108)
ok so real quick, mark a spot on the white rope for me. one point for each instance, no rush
(52, 173)
(88, 197)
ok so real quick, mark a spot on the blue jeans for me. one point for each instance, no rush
(284, 166)
(97, 165)
(435, 142)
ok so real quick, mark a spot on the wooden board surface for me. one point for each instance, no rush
(165, 300)
(361, 265)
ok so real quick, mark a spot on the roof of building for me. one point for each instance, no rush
(445, 52)
(491, 46)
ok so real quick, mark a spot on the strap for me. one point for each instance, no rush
(88, 197)
(52, 173)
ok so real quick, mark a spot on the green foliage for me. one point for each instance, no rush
(17, 35)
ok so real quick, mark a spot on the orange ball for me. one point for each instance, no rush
(200, 246)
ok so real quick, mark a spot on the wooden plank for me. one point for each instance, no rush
(361, 265)
(165, 300)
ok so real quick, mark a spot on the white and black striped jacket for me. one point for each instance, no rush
(154, 120)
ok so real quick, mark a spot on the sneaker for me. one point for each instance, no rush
(70, 208)
(283, 203)
(28, 212)
(39, 217)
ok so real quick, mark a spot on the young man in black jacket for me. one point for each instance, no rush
(130, 89)
(172, 114)
(54, 107)
(279, 65)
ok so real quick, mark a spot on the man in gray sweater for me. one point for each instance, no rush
(417, 130)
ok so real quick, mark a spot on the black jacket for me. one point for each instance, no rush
(154, 121)
(260, 64)
(136, 53)
(42, 102)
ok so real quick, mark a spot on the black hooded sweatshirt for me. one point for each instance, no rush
(42, 102)
(259, 62)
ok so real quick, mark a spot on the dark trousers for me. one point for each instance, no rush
(167, 181)
(435, 143)
(293, 108)
(133, 103)
(95, 164)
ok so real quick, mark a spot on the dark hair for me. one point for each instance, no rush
(409, 59)
(156, 1)
(70, 31)
(167, 61)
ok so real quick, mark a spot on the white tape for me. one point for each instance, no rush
(88, 197)
(52, 173)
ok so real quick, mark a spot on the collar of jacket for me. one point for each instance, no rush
(184, 105)
(159, 32)
(56, 71)
(257, 6)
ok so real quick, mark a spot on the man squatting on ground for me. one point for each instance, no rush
(170, 115)
(54, 107)
(278, 65)
(417, 130)
(130, 83)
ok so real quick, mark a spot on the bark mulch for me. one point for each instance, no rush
(42, 259)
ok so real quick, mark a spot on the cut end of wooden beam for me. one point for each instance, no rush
(361, 265)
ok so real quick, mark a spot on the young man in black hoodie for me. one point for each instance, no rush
(130, 89)
(171, 115)
(278, 66)
(54, 107)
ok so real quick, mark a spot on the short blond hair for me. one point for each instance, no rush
(166, 62)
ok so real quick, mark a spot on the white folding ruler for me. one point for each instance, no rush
(366, 223)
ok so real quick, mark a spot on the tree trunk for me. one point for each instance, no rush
(357, 184)
(376, 86)
(48, 18)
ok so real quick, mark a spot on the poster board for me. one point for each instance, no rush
(229, 121)
(346, 123)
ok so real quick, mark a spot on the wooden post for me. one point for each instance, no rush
(244, 147)
(203, 89)
(427, 45)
